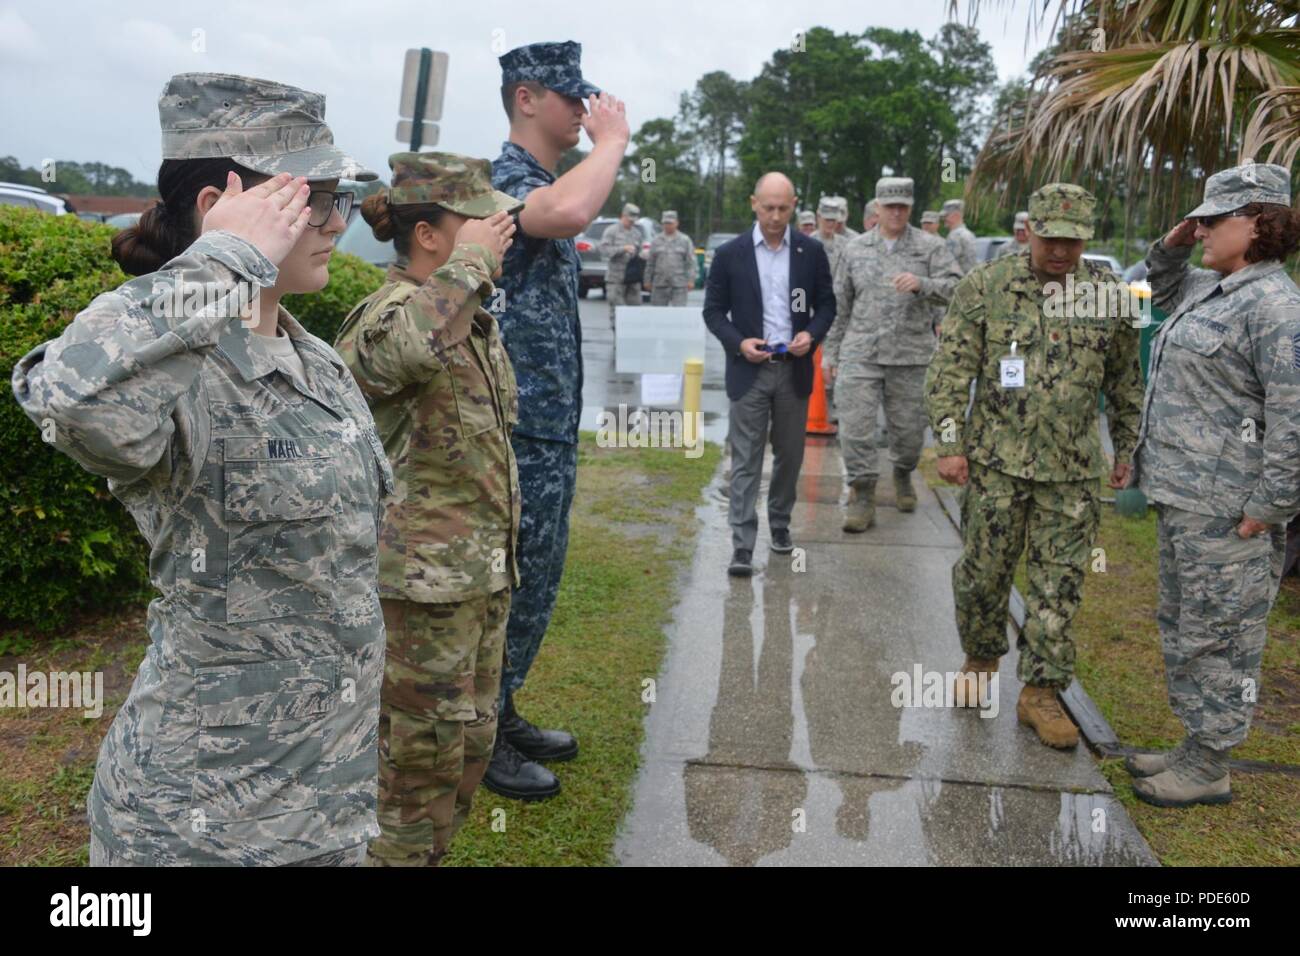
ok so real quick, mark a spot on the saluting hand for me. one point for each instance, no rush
(1183, 234)
(271, 215)
(496, 233)
(606, 119)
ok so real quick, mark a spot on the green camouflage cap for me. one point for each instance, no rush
(807, 217)
(828, 207)
(1061, 211)
(461, 184)
(894, 190)
(556, 66)
(264, 126)
(1242, 185)
(930, 215)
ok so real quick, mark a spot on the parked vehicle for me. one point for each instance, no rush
(31, 197)
(711, 245)
(122, 220)
(988, 247)
(1110, 262)
(358, 240)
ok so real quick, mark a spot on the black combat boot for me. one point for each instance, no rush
(530, 740)
(512, 775)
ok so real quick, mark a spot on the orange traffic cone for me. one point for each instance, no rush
(818, 423)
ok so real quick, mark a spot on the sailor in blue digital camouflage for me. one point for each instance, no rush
(1029, 451)
(670, 263)
(246, 454)
(1020, 242)
(1219, 455)
(887, 284)
(961, 241)
(542, 92)
(620, 247)
(430, 362)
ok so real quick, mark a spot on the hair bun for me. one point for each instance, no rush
(149, 244)
(378, 213)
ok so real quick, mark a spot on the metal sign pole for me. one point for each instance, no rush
(421, 91)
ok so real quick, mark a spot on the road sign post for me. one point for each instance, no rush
(424, 80)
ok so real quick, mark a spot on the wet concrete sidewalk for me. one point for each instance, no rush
(774, 741)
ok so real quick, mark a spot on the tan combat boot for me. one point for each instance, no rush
(965, 687)
(1199, 776)
(1148, 765)
(904, 493)
(1039, 708)
(860, 512)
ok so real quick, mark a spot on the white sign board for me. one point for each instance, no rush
(657, 339)
(658, 391)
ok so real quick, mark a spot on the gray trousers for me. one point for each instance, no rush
(668, 295)
(100, 855)
(860, 389)
(621, 293)
(770, 407)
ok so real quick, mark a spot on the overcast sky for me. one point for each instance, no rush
(82, 78)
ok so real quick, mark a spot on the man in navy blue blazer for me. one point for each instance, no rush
(770, 302)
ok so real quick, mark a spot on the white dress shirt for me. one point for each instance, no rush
(774, 283)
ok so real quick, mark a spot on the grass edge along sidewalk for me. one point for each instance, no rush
(631, 540)
(1120, 665)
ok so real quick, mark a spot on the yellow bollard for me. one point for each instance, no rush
(691, 416)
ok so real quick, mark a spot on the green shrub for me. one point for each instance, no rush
(65, 543)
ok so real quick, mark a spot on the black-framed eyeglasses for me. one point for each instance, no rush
(322, 203)
(1209, 222)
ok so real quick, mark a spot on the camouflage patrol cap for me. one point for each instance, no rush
(807, 217)
(930, 215)
(669, 215)
(828, 207)
(264, 126)
(1242, 185)
(631, 209)
(894, 189)
(1061, 211)
(556, 66)
(458, 183)
(1022, 220)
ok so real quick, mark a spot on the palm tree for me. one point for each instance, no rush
(1172, 88)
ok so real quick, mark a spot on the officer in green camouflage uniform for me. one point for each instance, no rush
(1021, 241)
(1219, 454)
(620, 243)
(1030, 453)
(249, 733)
(670, 264)
(886, 285)
(961, 241)
(431, 363)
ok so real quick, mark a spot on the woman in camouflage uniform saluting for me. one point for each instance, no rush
(430, 360)
(1219, 454)
(245, 452)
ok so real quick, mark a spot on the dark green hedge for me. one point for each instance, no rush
(65, 543)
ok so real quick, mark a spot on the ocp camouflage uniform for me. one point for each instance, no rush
(670, 266)
(1034, 453)
(612, 242)
(961, 243)
(431, 364)
(249, 733)
(882, 344)
(1219, 440)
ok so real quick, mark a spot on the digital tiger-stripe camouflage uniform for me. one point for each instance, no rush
(613, 247)
(879, 349)
(1034, 451)
(249, 733)
(670, 265)
(1219, 440)
(431, 363)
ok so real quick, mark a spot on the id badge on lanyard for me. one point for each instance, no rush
(1013, 369)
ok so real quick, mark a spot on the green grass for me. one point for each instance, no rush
(632, 533)
(1120, 665)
